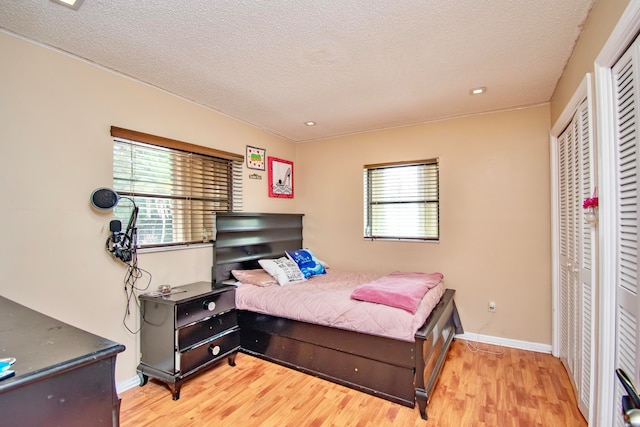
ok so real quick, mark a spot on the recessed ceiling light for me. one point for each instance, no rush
(478, 90)
(73, 4)
(310, 123)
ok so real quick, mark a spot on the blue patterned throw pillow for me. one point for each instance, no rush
(307, 262)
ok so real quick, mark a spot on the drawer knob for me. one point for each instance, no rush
(210, 305)
(215, 350)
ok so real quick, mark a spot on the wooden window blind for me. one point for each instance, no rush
(177, 187)
(401, 201)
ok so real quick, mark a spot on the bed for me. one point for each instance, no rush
(398, 370)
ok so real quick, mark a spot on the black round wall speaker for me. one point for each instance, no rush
(104, 198)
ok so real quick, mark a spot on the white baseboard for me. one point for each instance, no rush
(506, 342)
(127, 384)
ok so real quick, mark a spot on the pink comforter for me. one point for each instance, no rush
(398, 289)
(326, 300)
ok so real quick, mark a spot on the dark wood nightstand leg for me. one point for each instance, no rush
(144, 379)
(232, 359)
(175, 389)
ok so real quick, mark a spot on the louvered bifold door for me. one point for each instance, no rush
(563, 213)
(568, 156)
(575, 162)
(574, 252)
(574, 243)
(625, 80)
(586, 278)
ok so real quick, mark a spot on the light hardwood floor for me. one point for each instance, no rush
(517, 388)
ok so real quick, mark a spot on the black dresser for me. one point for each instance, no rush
(186, 332)
(64, 376)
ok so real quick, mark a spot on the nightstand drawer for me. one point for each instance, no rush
(194, 333)
(206, 306)
(201, 355)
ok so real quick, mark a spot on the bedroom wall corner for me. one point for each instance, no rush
(600, 23)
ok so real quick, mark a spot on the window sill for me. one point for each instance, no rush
(175, 248)
(399, 239)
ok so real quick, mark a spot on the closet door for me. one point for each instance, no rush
(625, 76)
(576, 255)
(567, 154)
(587, 275)
(564, 264)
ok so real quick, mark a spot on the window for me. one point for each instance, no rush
(177, 187)
(401, 201)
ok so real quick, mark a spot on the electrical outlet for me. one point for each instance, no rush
(492, 306)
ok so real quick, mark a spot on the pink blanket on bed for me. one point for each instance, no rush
(398, 289)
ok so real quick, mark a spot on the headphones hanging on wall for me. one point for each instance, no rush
(121, 245)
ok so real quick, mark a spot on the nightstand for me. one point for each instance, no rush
(186, 332)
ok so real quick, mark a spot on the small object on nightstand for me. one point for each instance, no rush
(5, 364)
(6, 374)
(9, 360)
(159, 293)
(164, 289)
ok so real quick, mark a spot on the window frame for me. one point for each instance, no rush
(196, 155)
(429, 171)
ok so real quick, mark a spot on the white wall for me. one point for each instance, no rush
(494, 213)
(55, 117)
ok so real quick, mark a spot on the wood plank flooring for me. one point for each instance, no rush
(517, 388)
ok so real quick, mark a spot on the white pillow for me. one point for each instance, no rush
(285, 271)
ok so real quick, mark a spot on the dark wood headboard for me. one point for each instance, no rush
(244, 238)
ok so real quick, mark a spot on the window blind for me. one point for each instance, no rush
(401, 201)
(177, 192)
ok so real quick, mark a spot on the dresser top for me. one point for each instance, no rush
(44, 346)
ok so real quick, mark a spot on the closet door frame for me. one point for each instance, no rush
(622, 36)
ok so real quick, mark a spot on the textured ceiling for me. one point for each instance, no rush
(349, 65)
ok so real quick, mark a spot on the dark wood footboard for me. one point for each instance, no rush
(433, 340)
(379, 366)
(399, 371)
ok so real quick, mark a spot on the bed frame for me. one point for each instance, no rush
(400, 371)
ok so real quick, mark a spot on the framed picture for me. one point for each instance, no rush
(255, 157)
(280, 178)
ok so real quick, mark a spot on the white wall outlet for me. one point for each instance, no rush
(492, 306)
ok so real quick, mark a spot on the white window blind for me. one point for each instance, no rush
(401, 201)
(177, 191)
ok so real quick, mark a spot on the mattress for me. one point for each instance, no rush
(326, 300)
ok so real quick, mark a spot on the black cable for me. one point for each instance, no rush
(126, 251)
(131, 277)
(124, 247)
